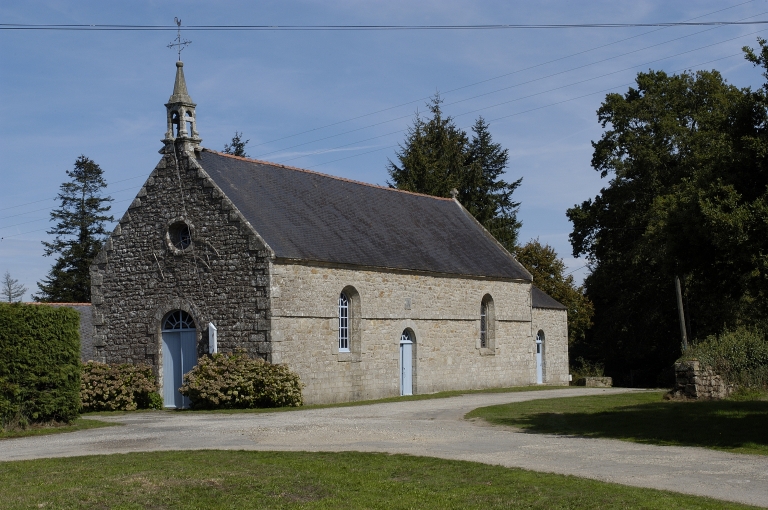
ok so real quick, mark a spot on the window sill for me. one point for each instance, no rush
(346, 356)
(487, 351)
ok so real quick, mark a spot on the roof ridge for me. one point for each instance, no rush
(287, 167)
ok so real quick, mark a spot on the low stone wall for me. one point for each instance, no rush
(692, 381)
(595, 382)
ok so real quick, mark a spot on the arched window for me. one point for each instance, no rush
(343, 323)
(487, 323)
(190, 123)
(178, 320)
(483, 324)
(175, 122)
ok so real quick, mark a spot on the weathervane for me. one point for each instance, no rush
(179, 43)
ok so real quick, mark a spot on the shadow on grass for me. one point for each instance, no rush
(738, 426)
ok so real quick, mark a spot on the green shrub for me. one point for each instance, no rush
(739, 356)
(113, 387)
(239, 382)
(581, 368)
(9, 403)
(39, 363)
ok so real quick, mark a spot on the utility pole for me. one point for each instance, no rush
(681, 313)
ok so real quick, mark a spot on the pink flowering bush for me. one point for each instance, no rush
(239, 382)
(113, 387)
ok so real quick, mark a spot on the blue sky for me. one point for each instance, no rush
(335, 102)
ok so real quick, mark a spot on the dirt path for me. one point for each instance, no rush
(427, 427)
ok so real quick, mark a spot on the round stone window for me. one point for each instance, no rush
(179, 236)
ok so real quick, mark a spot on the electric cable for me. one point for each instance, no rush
(422, 99)
(263, 155)
(530, 110)
(228, 28)
(495, 77)
(532, 95)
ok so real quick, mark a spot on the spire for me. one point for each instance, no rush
(180, 94)
(181, 133)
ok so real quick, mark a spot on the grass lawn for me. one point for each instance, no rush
(238, 479)
(734, 426)
(43, 429)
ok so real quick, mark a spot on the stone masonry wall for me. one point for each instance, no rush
(554, 323)
(442, 312)
(692, 381)
(139, 276)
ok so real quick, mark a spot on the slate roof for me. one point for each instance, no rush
(540, 299)
(305, 215)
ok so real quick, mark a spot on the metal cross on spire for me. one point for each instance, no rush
(180, 44)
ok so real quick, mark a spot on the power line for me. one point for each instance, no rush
(462, 114)
(540, 93)
(223, 28)
(499, 76)
(416, 100)
(42, 229)
(54, 198)
(530, 110)
(571, 272)
(492, 120)
(263, 155)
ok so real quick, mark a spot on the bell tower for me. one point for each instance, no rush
(181, 133)
(180, 110)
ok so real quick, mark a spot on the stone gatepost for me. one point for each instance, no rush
(692, 381)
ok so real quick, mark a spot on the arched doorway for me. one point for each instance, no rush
(179, 356)
(406, 362)
(539, 357)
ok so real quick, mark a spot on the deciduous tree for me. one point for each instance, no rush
(12, 289)
(687, 158)
(549, 275)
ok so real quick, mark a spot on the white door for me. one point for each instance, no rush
(179, 356)
(406, 364)
(539, 352)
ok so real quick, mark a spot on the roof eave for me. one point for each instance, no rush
(366, 267)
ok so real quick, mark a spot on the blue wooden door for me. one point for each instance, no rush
(179, 357)
(406, 364)
(539, 357)
(171, 368)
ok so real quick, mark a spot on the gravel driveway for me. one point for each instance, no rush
(425, 427)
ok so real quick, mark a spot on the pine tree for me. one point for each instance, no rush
(12, 290)
(79, 234)
(433, 158)
(237, 146)
(437, 157)
(486, 194)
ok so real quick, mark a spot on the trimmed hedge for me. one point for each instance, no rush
(112, 387)
(739, 356)
(39, 363)
(239, 382)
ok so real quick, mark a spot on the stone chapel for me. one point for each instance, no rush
(364, 291)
